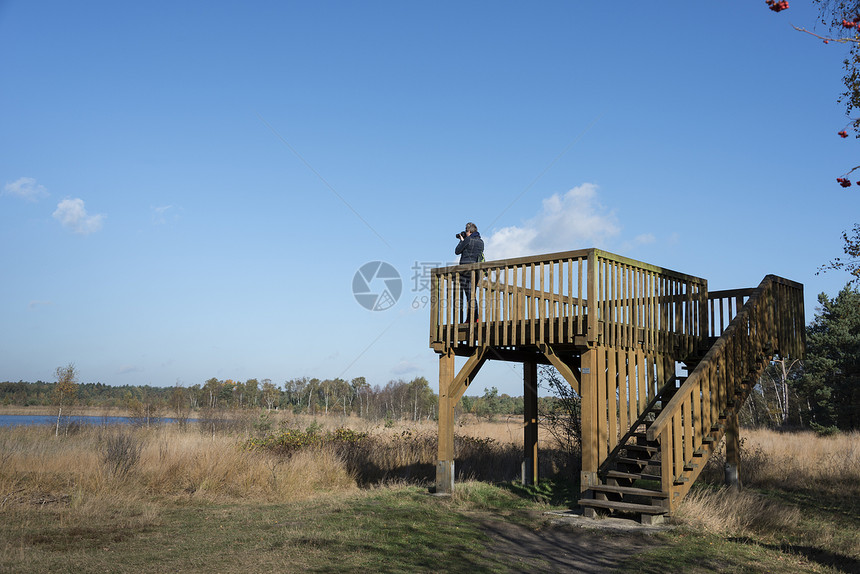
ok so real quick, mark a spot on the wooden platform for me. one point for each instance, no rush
(619, 331)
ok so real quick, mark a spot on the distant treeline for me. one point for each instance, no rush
(396, 400)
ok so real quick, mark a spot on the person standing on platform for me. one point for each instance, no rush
(471, 250)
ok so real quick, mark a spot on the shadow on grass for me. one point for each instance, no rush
(846, 507)
(824, 557)
(556, 491)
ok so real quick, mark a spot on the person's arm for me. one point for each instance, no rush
(460, 247)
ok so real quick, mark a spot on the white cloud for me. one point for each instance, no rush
(72, 215)
(129, 369)
(25, 188)
(575, 220)
(159, 214)
(406, 367)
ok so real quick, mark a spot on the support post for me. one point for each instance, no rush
(530, 426)
(588, 385)
(733, 451)
(445, 461)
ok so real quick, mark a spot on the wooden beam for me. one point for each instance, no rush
(530, 424)
(589, 418)
(733, 451)
(445, 461)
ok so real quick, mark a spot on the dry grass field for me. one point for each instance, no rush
(113, 463)
(802, 491)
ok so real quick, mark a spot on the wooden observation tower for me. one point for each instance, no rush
(661, 364)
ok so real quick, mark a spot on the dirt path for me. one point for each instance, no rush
(566, 543)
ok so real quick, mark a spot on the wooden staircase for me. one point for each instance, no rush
(630, 476)
(663, 452)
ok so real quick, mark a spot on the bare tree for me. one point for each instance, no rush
(271, 393)
(66, 389)
(177, 402)
(778, 376)
(561, 416)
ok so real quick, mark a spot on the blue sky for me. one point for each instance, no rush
(187, 189)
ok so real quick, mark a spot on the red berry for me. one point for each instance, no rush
(843, 134)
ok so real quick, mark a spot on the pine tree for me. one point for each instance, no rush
(831, 380)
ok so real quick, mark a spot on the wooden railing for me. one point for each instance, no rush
(583, 297)
(723, 306)
(648, 307)
(770, 323)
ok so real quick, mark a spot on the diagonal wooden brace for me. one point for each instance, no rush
(467, 374)
(562, 367)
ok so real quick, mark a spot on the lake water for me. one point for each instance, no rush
(33, 420)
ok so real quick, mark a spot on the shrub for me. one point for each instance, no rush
(287, 441)
(120, 452)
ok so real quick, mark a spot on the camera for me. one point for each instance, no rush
(461, 236)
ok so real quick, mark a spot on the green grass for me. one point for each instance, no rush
(695, 553)
(825, 538)
(556, 492)
(389, 529)
(201, 503)
(386, 530)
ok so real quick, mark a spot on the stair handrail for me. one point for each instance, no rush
(759, 330)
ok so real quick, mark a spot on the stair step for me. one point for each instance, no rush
(642, 440)
(632, 475)
(642, 448)
(631, 490)
(623, 506)
(638, 461)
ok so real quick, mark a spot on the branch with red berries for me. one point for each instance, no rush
(854, 25)
(827, 39)
(844, 181)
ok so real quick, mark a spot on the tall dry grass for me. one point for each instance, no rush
(736, 513)
(795, 461)
(38, 468)
(810, 479)
(118, 462)
(132, 464)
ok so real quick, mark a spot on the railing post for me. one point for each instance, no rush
(703, 316)
(591, 302)
(435, 295)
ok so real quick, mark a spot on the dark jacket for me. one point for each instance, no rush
(470, 248)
